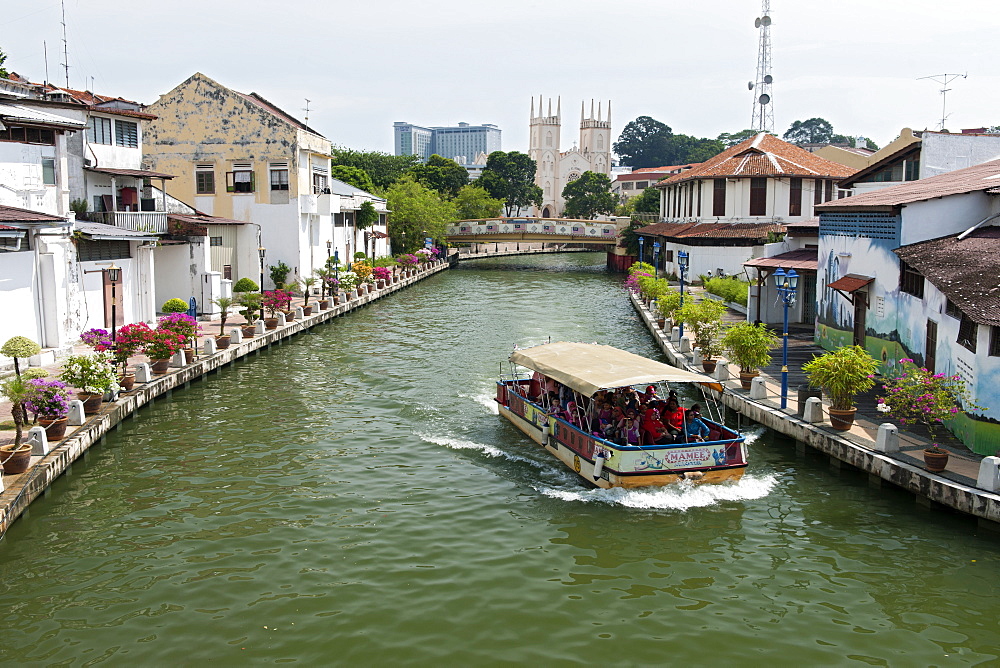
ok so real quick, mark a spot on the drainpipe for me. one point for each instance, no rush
(974, 227)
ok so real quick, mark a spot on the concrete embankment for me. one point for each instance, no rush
(21, 489)
(856, 448)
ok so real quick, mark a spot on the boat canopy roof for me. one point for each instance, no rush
(590, 367)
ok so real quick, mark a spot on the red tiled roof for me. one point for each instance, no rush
(89, 99)
(751, 231)
(966, 271)
(803, 259)
(971, 179)
(647, 172)
(203, 219)
(762, 155)
(256, 99)
(138, 173)
(11, 214)
(850, 283)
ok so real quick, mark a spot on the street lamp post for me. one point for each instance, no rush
(682, 263)
(114, 273)
(656, 259)
(786, 284)
(641, 242)
(261, 251)
(329, 247)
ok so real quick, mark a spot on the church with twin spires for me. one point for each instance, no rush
(555, 168)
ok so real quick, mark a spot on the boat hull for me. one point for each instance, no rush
(624, 466)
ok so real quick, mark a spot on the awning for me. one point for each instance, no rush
(803, 259)
(135, 173)
(22, 218)
(380, 235)
(851, 283)
(102, 232)
(590, 367)
(19, 113)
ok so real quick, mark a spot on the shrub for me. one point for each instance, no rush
(360, 255)
(279, 274)
(93, 374)
(704, 318)
(19, 346)
(277, 300)
(245, 285)
(730, 288)
(668, 303)
(174, 305)
(842, 374)
(640, 267)
(47, 399)
(749, 345)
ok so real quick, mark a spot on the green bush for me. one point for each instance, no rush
(279, 274)
(643, 267)
(730, 288)
(246, 285)
(174, 305)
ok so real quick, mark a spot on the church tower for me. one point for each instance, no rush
(544, 149)
(595, 138)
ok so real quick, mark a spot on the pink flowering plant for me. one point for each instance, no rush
(424, 255)
(382, 273)
(918, 396)
(277, 300)
(179, 323)
(633, 285)
(408, 260)
(130, 340)
(98, 339)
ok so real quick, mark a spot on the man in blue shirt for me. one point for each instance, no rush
(694, 428)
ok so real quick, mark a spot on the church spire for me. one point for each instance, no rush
(582, 106)
(591, 108)
(550, 107)
(599, 110)
(532, 107)
(559, 106)
(609, 113)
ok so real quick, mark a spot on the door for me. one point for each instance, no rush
(809, 299)
(113, 309)
(930, 347)
(860, 311)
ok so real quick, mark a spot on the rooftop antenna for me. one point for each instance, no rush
(45, 54)
(65, 48)
(306, 109)
(763, 108)
(944, 80)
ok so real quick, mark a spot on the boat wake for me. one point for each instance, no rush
(486, 449)
(485, 399)
(679, 496)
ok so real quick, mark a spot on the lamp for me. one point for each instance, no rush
(641, 242)
(262, 252)
(682, 263)
(656, 259)
(114, 273)
(786, 284)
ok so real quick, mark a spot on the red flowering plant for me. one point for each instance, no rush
(181, 324)
(130, 340)
(918, 396)
(382, 273)
(163, 344)
(277, 300)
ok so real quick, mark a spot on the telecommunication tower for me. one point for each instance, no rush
(763, 105)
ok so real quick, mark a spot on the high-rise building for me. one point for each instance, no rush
(461, 143)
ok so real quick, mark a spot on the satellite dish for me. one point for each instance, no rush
(749, 85)
(764, 99)
(768, 79)
(756, 23)
(765, 21)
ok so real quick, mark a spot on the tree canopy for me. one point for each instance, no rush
(473, 203)
(728, 140)
(3, 71)
(511, 177)
(441, 174)
(355, 176)
(588, 196)
(382, 168)
(417, 212)
(811, 131)
(647, 202)
(646, 142)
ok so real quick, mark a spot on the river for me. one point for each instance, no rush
(352, 498)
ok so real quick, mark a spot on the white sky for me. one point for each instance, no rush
(364, 64)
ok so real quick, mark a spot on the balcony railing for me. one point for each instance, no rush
(151, 222)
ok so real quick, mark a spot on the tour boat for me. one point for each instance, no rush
(584, 369)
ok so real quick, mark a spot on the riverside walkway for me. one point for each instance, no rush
(19, 490)
(955, 488)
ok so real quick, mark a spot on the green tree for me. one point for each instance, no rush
(474, 203)
(417, 211)
(511, 177)
(365, 218)
(682, 149)
(382, 168)
(735, 138)
(811, 131)
(588, 196)
(641, 142)
(441, 174)
(647, 202)
(3, 71)
(355, 176)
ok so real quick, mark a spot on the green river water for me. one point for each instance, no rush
(352, 498)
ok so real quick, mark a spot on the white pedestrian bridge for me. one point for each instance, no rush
(533, 229)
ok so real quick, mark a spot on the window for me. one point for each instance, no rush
(99, 130)
(668, 256)
(795, 196)
(204, 180)
(215, 241)
(320, 184)
(912, 169)
(994, 341)
(817, 192)
(92, 251)
(641, 185)
(699, 199)
(241, 179)
(758, 196)
(127, 134)
(279, 179)
(951, 309)
(829, 191)
(968, 331)
(49, 171)
(627, 185)
(690, 198)
(910, 280)
(719, 198)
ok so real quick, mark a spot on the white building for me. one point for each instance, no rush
(555, 168)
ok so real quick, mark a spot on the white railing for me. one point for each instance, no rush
(151, 222)
(555, 227)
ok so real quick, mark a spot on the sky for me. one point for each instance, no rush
(364, 65)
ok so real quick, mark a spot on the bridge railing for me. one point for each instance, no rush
(590, 230)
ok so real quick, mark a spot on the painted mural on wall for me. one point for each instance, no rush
(896, 325)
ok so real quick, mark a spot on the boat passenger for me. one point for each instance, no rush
(694, 428)
(672, 416)
(630, 428)
(653, 431)
(649, 394)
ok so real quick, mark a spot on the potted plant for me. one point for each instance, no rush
(749, 346)
(704, 318)
(49, 401)
(130, 340)
(93, 375)
(324, 275)
(382, 276)
(17, 455)
(349, 284)
(918, 396)
(174, 305)
(843, 374)
(224, 304)
(667, 306)
(184, 325)
(252, 303)
(307, 284)
(161, 345)
(17, 347)
(274, 301)
(245, 285)
(279, 274)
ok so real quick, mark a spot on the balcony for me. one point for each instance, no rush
(151, 222)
